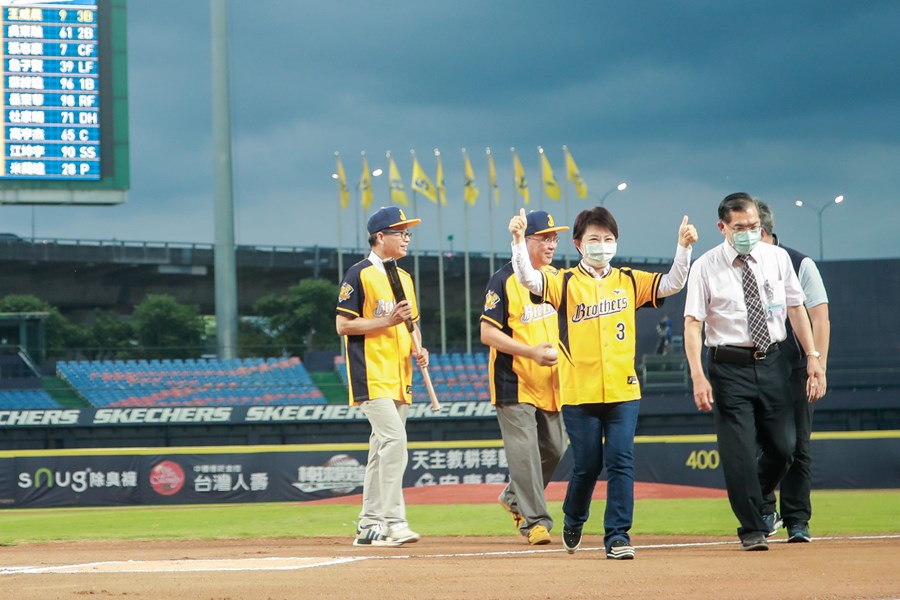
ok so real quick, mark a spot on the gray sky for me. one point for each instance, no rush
(686, 101)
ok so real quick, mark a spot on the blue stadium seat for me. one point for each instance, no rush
(26, 400)
(191, 382)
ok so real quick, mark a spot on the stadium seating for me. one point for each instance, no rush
(26, 400)
(201, 382)
(456, 377)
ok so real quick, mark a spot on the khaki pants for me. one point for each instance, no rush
(383, 485)
(534, 441)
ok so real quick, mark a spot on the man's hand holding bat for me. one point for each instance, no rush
(403, 310)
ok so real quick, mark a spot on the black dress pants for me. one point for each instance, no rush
(754, 410)
(796, 506)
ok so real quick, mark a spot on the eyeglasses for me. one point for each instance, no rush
(404, 235)
(754, 229)
(545, 240)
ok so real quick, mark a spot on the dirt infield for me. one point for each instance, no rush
(470, 568)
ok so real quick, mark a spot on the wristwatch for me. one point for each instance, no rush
(814, 353)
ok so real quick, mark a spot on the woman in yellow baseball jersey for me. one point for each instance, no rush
(379, 371)
(595, 304)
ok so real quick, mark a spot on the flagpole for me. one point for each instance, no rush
(566, 210)
(439, 185)
(415, 241)
(512, 151)
(358, 210)
(340, 254)
(340, 227)
(490, 217)
(566, 222)
(390, 190)
(543, 179)
(468, 287)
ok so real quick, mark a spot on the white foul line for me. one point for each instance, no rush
(310, 562)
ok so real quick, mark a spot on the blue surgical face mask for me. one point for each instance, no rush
(745, 241)
(598, 254)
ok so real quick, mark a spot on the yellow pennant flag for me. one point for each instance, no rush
(492, 176)
(441, 189)
(365, 185)
(398, 192)
(574, 175)
(343, 190)
(521, 183)
(421, 183)
(471, 190)
(550, 184)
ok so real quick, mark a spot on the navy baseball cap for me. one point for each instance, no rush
(540, 221)
(387, 217)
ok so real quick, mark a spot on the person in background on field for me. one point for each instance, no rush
(599, 390)
(796, 507)
(664, 330)
(743, 292)
(379, 373)
(524, 380)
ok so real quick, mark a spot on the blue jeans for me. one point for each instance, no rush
(588, 425)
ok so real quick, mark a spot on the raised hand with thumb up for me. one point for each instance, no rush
(517, 226)
(687, 233)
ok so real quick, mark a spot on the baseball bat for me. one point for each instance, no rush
(390, 267)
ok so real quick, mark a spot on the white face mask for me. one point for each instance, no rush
(598, 254)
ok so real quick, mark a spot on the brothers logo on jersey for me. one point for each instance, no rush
(345, 293)
(491, 300)
(536, 312)
(584, 312)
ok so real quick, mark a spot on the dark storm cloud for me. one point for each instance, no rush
(688, 101)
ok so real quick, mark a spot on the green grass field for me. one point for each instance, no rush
(836, 513)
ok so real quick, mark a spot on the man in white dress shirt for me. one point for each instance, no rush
(743, 292)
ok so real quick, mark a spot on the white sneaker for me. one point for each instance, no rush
(403, 535)
(373, 535)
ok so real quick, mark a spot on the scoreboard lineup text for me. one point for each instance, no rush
(51, 91)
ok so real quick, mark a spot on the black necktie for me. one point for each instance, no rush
(756, 316)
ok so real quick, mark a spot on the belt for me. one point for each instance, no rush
(741, 355)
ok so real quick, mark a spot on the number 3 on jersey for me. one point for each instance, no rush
(620, 331)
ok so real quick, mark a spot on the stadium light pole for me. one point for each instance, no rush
(359, 207)
(340, 242)
(356, 186)
(837, 200)
(619, 188)
(225, 263)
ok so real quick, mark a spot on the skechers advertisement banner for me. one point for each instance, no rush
(217, 415)
(294, 473)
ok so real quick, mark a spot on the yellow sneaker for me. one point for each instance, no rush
(538, 536)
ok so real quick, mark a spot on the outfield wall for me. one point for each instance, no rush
(199, 475)
(670, 413)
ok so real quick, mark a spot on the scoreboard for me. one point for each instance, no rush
(64, 128)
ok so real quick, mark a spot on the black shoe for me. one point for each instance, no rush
(799, 533)
(754, 541)
(773, 523)
(620, 549)
(571, 539)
